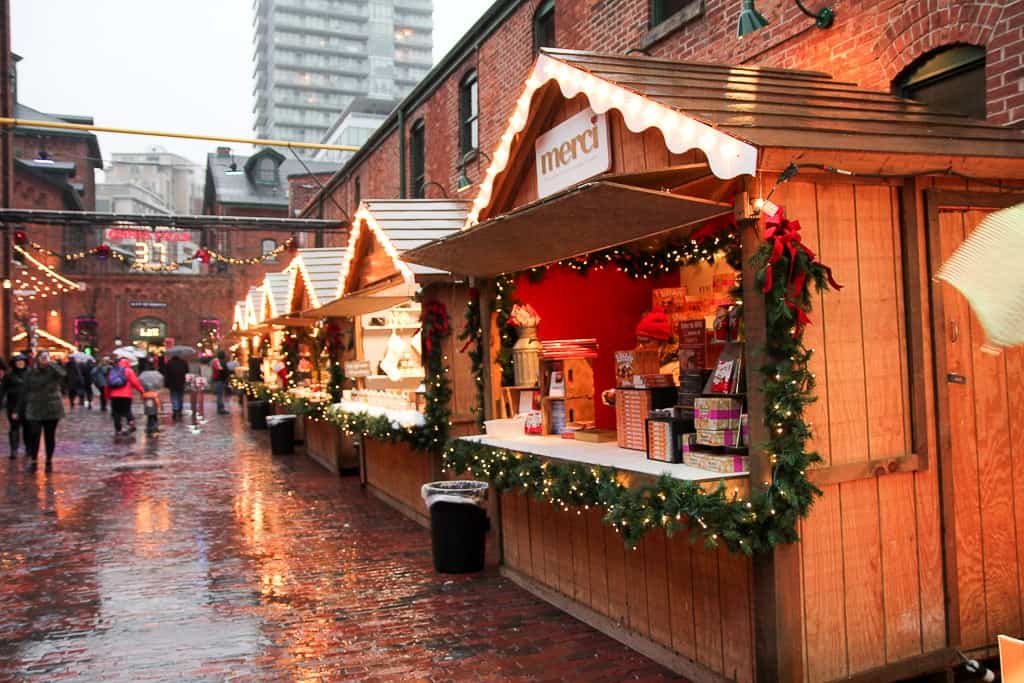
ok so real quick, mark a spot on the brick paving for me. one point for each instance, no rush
(201, 557)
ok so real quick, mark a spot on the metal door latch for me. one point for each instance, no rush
(956, 379)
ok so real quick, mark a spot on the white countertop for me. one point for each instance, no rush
(606, 454)
(399, 418)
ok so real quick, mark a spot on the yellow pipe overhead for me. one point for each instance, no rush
(60, 125)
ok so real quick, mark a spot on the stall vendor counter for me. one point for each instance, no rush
(332, 448)
(672, 600)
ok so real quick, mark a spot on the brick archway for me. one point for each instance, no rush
(917, 27)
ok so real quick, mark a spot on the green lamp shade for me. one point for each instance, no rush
(750, 19)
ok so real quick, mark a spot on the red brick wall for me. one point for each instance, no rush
(303, 188)
(61, 148)
(189, 300)
(871, 42)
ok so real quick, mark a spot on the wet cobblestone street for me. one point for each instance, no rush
(202, 557)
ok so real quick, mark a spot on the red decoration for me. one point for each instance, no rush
(292, 245)
(102, 251)
(20, 238)
(202, 255)
(784, 237)
(435, 323)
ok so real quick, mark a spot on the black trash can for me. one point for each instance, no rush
(257, 414)
(458, 524)
(282, 434)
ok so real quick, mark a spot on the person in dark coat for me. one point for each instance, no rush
(174, 377)
(43, 408)
(98, 375)
(73, 383)
(13, 390)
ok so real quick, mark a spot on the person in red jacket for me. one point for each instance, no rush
(121, 380)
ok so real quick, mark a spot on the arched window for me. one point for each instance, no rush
(266, 172)
(417, 154)
(469, 114)
(951, 78)
(544, 26)
(267, 246)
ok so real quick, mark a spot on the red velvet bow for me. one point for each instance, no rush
(785, 238)
(203, 255)
(102, 251)
(20, 238)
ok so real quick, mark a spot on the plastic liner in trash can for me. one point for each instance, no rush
(257, 414)
(282, 434)
(458, 524)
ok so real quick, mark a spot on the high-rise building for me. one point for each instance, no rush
(170, 178)
(312, 58)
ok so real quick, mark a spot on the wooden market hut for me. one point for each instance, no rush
(375, 279)
(915, 548)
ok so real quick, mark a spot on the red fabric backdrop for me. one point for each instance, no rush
(604, 304)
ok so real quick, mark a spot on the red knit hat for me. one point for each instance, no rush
(655, 325)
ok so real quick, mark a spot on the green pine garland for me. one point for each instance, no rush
(504, 300)
(473, 334)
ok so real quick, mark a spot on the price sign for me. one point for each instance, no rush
(357, 368)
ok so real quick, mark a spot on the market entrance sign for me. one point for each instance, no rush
(149, 329)
(157, 234)
(574, 150)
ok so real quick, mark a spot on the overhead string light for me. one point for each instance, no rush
(204, 255)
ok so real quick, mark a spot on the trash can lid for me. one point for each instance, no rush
(455, 491)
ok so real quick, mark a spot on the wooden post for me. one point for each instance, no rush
(778, 640)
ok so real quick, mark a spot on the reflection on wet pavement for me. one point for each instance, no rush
(201, 557)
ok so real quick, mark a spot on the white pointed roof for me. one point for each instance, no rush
(254, 306)
(320, 270)
(277, 288)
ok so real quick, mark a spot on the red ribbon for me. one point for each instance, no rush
(785, 238)
(435, 322)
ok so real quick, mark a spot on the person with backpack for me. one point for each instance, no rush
(174, 376)
(98, 376)
(13, 390)
(220, 375)
(121, 380)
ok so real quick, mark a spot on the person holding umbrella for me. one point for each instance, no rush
(44, 408)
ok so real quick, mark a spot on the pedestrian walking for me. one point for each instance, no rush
(13, 390)
(85, 374)
(44, 408)
(98, 376)
(121, 380)
(152, 381)
(73, 383)
(221, 374)
(174, 377)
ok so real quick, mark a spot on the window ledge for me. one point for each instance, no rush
(675, 22)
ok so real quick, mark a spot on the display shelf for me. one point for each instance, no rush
(606, 454)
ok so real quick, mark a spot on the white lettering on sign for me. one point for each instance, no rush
(150, 332)
(574, 150)
(357, 368)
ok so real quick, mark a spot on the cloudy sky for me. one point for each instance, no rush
(182, 66)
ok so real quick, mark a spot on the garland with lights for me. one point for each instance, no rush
(472, 334)
(786, 270)
(204, 255)
(504, 301)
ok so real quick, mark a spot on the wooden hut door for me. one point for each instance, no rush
(981, 430)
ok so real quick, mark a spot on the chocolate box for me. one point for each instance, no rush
(725, 464)
(718, 437)
(717, 413)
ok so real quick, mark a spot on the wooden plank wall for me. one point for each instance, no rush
(694, 601)
(985, 416)
(871, 555)
(398, 471)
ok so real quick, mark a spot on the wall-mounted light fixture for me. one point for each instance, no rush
(464, 181)
(751, 20)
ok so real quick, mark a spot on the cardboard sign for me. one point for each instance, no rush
(574, 150)
(693, 344)
(357, 368)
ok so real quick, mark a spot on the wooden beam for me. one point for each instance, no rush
(824, 476)
(930, 662)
